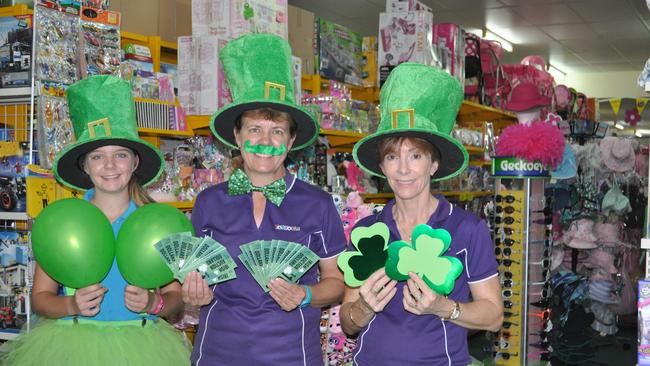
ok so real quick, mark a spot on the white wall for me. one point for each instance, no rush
(606, 84)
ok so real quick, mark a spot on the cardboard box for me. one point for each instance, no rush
(369, 70)
(393, 6)
(202, 85)
(339, 51)
(16, 52)
(644, 323)
(233, 18)
(369, 44)
(296, 64)
(449, 46)
(301, 37)
(403, 37)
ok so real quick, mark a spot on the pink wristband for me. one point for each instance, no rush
(159, 306)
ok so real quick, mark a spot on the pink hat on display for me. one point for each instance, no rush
(618, 153)
(526, 96)
(608, 234)
(602, 259)
(562, 97)
(581, 235)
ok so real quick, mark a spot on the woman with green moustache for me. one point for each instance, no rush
(240, 324)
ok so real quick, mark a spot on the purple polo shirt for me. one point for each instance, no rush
(397, 337)
(243, 325)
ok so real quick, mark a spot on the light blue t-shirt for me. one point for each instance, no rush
(112, 308)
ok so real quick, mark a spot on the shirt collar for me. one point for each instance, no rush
(129, 210)
(441, 213)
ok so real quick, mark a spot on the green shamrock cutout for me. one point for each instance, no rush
(371, 243)
(248, 12)
(424, 257)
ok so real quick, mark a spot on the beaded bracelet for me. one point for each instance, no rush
(159, 306)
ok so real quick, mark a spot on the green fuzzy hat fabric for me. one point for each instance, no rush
(258, 68)
(417, 101)
(102, 111)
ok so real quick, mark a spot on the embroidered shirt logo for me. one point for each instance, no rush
(287, 227)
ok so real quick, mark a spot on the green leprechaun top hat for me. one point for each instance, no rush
(102, 111)
(258, 68)
(417, 101)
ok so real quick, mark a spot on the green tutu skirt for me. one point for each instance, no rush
(63, 342)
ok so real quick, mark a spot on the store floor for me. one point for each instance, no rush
(617, 350)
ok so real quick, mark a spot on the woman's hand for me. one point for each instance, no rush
(196, 291)
(138, 299)
(86, 300)
(287, 295)
(377, 291)
(419, 299)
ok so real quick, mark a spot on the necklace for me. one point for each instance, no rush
(403, 231)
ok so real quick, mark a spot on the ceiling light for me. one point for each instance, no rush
(619, 126)
(491, 36)
(638, 134)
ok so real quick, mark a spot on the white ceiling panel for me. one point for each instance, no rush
(503, 18)
(522, 35)
(538, 14)
(563, 32)
(631, 28)
(603, 10)
(611, 67)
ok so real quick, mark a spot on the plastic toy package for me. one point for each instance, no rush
(56, 46)
(101, 42)
(54, 126)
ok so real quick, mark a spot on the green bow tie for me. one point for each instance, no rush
(239, 183)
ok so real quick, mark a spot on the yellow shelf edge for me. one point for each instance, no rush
(169, 45)
(154, 101)
(328, 132)
(196, 121)
(16, 10)
(161, 132)
(134, 36)
(181, 205)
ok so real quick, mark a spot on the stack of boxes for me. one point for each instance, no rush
(405, 33)
(202, 88)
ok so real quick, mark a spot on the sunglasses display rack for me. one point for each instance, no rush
(522, 238)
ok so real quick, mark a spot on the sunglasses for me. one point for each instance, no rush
(504, 355)
(506, 252)
(547, 220)
(508, 220)
(508, 293)
(507, 325)
(507, 209)
(508, 304)
(507, 199)
(545, 275)
(548, 211)
(507, 334)
(506, 231)
(509, 314)
(507, 242)
(508, 275)
(502, 343)
(506, 262)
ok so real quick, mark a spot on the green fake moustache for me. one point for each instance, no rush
(264, 149)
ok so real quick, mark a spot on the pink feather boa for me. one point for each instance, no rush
(540, 141)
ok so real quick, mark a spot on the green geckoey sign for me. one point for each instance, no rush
(512, 167)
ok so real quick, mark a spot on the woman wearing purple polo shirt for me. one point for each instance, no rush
(240, 323)
(406, 323)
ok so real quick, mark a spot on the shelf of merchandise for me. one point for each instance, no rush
(462, 195)
(164, 133)
(160, 50)
(316, 84)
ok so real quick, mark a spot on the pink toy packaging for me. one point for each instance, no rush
(644, 323)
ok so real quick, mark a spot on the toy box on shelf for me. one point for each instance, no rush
(16, 51)
(202, 86)
(339, 52)
(393, 6)
(449, 46)
(233, 18)
(16, 272)
(403, 36)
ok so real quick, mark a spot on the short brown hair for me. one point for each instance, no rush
(392, 144)
(269, 114)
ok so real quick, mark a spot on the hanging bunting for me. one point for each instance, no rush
(616, 105)
(641, 103)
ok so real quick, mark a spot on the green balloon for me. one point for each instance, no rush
(73, 242)
(137, 258)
